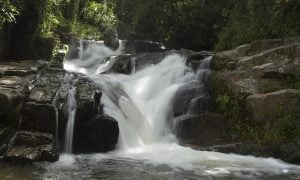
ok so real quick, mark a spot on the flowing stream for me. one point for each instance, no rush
(142, 104)
(71, 120)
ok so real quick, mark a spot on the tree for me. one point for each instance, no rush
(8, 12)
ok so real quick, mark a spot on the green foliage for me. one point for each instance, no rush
(8, 12)
(99, 15)
(51, 19)
(285, 129)
(86, 31)
(282, 131)
(250, 20)
(189, 24)
(231, 106)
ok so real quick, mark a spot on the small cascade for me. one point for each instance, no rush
(94, 57)
(133, 65)
(143, 103)
(71, 120)
(200, 102)
(56, 117)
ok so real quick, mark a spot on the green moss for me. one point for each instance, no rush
(286, 129)
(216, 85)
(231, 106)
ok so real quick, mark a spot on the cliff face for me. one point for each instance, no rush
(257, 88)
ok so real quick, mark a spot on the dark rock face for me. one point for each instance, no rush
(140, 46)
(99, 134)
(35, 94)
(203, 130)
(111, 39)
(39, 117)
(32, 147)
(94, 132)
(7, 132)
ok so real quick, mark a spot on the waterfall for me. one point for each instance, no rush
(71, 120)
(56, 117)
(144, 107)
(142, 101)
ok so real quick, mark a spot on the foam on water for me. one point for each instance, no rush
(142, 104)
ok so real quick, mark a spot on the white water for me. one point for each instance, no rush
(56, 118)
(141, 103)
(71, 120)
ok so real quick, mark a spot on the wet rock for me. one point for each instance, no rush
(142, 46)
(99, 134)
(73, 44)
(202, 130)
(145, 59)
(125, 64)
(266, 107)
(93, 132)
(257, 47)
(111, 39)
(7, 132)
(85, 97)
(21, 68)
(40, 117)
(191, 98)
(195, 59)
(32, 147)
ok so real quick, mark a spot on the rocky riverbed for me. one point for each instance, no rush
(252, 88)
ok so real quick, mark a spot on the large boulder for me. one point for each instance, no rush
(261, 67)
(202, 130)
(126, 64)
(93, 132)
(32, 147)
(111, 39)
(142, 46)
(99, 134)
(267, 107)
(39, 110)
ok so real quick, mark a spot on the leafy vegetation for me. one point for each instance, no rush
(249, 20)
(283, 130)
(8, 12)
(192, 24)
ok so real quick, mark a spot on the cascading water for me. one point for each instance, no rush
(71, 120)
(56, 118)
(142, 104)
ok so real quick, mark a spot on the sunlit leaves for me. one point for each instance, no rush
(100, 14)
(8, 12)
